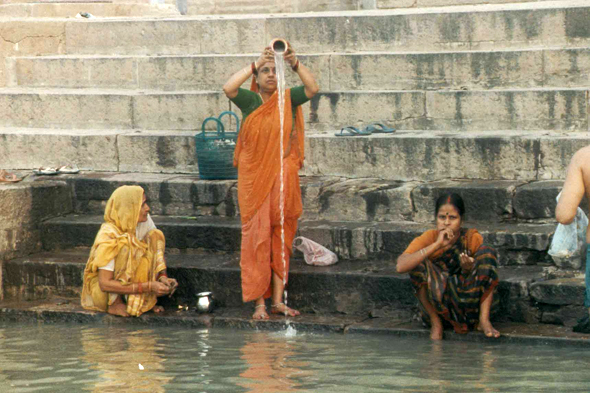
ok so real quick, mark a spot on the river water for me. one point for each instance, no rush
(72, 358)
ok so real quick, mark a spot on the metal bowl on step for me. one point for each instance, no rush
(205, 302)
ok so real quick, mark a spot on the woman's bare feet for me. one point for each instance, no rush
(158, 309)
(436, 328)
(487, 329)
(118, 308)
(260, 312)
(281, 308)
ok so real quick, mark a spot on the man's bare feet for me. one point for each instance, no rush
(260, 312)
(158, 309)
(436, 328)
(118, 308)
(281, 308)
(487, 329)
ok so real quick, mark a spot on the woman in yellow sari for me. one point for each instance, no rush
(257, 157)
(127, 258)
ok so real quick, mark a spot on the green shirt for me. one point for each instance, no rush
(248, 101)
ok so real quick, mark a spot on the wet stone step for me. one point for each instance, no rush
(517, 244)
(328, 198)
(369, 288)
(67, 310)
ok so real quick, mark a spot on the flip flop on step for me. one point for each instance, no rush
(352, 131)
(68, 169)
(8, 177)
(379, 128)
(45, 171)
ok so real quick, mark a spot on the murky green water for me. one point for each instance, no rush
(106, 359)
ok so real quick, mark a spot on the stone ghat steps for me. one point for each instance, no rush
(517, 244)
(402, 156)
(464, 70)
(326, 198)
(482, 27)
(560, 109)
(527, 294)
(278, 6)
(100, 10)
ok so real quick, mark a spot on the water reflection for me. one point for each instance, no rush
(118, 354)
(271, 365)
(72, 358)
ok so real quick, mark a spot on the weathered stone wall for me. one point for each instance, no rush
(23, 208)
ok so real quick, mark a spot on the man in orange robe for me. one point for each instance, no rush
(264, 264)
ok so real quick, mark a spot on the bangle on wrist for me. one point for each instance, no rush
(139, 288)
(254, 69)
(149, 287)
(296, 66)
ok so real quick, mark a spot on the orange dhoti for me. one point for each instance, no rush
(261, 236)
(257, 157)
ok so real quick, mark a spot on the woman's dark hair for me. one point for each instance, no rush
(450, 198)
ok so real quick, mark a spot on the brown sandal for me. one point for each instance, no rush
(8, 177)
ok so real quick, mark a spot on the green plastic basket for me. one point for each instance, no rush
(215, 150)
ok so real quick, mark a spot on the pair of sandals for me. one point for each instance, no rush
(64, 169)
(373, 128)
(7, 177)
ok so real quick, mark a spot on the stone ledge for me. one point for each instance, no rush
(57, 311)
(468, 70)
(561, 109)
(476, 27)
(402, 156)
(353, 288)
(518, 244)
(328, 198)
(24, 206)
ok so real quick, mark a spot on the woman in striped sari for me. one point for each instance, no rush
(453, 273)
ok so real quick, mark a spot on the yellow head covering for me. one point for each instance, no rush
(123, 208)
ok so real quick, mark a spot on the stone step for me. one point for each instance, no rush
(468, 70)
(99, 10)
(24, 206)
(403, 156)
(481, 27)
(211, 7)
(349, 287)
(195, 7)
(524, 109)
(327, 198)
(517, 244)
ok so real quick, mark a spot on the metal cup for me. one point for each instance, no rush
(279, 45)
(205, 302)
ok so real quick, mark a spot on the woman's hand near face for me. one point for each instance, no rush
(445, 238)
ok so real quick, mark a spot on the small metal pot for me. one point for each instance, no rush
(205, 303)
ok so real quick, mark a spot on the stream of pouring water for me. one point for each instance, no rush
(280, 69)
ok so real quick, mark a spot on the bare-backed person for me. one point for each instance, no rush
(577, 184)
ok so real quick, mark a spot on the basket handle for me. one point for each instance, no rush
(220, 128)
(230, 113)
